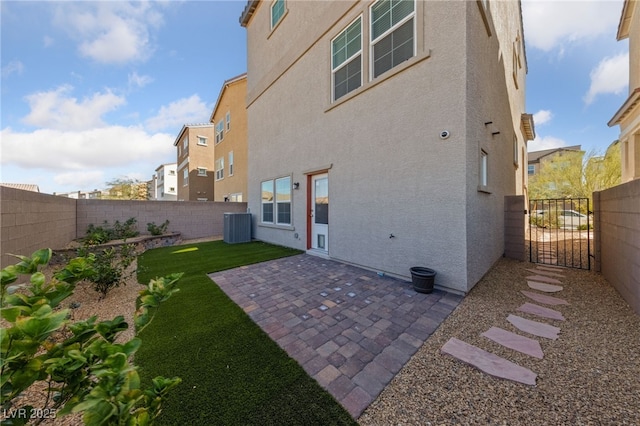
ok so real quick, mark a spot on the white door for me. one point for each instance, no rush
(320, 212)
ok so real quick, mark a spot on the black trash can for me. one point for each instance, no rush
(422, 279)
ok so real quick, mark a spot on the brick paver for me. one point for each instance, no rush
(350, 329)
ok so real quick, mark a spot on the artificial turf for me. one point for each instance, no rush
(232, 372)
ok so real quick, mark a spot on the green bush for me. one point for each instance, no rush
(109, 265)
(82, 369)
(158, 229)
(105, 233)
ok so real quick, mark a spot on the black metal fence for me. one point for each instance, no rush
(561, 232)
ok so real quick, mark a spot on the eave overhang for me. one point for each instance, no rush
(528, 126)
(247, 13)
(632, 102)
(625, 20)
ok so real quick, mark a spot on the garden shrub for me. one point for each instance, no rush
(105, 233)
(83, 369)
(109, 266)
(158, 229)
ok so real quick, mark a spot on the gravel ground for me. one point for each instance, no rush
(590, 375)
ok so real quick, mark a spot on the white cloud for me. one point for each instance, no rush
(542, 117)
(547, 142)
(56, 110)
(47, 41)
(611, 76)
(86, 150)
(85, 179)
(13, 67)
(549, 25)
(176, 114)
(110, 32)
(138, 81)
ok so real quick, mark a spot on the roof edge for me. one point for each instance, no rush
(632, 101)
(247, 13)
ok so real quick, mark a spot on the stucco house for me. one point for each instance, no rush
(536, 159)
(166, 182)
(386, 134)
(628, 116)
(194, 152)
(229, 117)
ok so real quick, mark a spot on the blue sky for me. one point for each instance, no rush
(93, 91)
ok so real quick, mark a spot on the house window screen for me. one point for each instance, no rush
(267, 201)
(346, 60)
(392, 33)
(283, 200)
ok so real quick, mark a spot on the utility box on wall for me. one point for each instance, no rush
(237, 228)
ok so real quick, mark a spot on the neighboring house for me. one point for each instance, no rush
(386, 134)
(80, 195)
(229, 117)
(166, 182)
(537, 159)
(196, 162)
(628, 116)
(22, 186)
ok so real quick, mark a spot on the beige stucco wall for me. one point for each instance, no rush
(617, 232)
(31, 221)
(192, 158)
(233, 100)
(390, 172)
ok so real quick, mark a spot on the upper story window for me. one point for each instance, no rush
(531, 169)
(277, 12)
(219, 131)
(392, 34)
(185, 176)
(172, 172)
(185, 143)
(346, 60)
(202, 140)
(220, 168)
(202, 171)
(228, 119)
(231, 163)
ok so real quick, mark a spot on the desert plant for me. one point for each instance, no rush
(125, 230)
(84, 370)
(119, 231)
(157, 229)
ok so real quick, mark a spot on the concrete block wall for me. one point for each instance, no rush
(192, 219)
(514, 227)
(30, 221)
(617, 239)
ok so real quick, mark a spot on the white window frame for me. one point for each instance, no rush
(284, 12)
(228, 120)
(185, 143)
(185, 177)
(220, 168)
(348, 60)
(202, 171)
(202, 140)
(483, 175)
(230, 163)
(219, 132)
(273, 183)
(373, 42)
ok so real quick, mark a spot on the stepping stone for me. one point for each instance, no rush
(541, 311)
(540, 278)
(543, 298)
(488, 362)
(546, 273)
(515, 341)
(533, 327)
(547, 288)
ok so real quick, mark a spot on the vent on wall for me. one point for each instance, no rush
(237, 228)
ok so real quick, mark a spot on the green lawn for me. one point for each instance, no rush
(232, 372)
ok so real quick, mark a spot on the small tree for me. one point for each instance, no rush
(574, 174)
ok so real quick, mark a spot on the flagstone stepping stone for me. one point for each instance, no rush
(488, 362)
(533, 327)
(546, 273)
(543, 298)
(515, 341)
(547, 288)
(541, 311)
(540, 278)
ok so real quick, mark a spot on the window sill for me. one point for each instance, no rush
(385, 76)
(274, 226)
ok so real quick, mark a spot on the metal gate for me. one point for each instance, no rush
(560, 232)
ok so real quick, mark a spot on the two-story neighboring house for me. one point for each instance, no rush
(628, 116)
(195, 170)
(536, 159)
(386, 134)
(229, 117)
(166, 181)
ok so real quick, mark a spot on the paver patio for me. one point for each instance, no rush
(349, 328)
